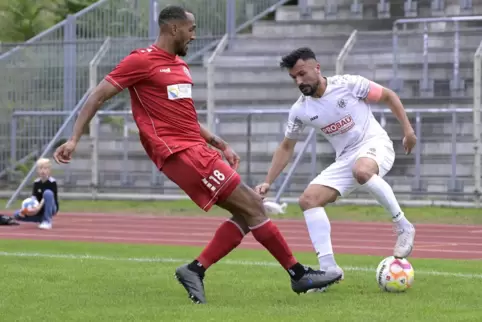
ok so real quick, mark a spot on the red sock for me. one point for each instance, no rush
(227, 237)
(268, 235)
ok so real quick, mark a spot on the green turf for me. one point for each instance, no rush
(70, 289)
(351, 213)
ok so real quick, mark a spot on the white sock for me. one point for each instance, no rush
(319, 229)
(383, 193)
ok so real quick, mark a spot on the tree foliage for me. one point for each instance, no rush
(62, 8)
(21, 20)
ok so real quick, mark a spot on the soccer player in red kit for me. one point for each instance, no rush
(160, 87)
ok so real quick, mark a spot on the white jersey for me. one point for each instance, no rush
(341, 114)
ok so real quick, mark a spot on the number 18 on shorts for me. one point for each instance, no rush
(202, 174)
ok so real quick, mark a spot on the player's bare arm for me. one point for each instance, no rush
(218, 143)
(103, 92)
(385, 95)
(212, 139)
(281, 158)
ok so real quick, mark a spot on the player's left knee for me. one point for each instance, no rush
(362, 175)
(364, 169)
(48, 194)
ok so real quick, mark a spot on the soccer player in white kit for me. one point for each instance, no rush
(340, 107)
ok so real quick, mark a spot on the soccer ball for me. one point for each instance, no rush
(395, 274)
(29, 203)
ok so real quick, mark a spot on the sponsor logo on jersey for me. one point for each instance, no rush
(179, 91)
(339, 127)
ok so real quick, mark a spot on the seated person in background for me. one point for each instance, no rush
(45, 191)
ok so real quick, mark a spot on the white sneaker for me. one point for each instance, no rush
(405, 240)
(323, 289)
(45, 225)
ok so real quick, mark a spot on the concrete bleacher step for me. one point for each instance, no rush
(319, 11)
(274, 74)
(387, 58)
(318, 27)
(234, 60)
(251, 45)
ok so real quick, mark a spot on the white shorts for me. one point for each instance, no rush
(339, 175)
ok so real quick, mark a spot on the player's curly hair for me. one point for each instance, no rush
(289, 60)
(170, 13)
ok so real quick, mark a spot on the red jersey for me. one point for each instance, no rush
(160, 87)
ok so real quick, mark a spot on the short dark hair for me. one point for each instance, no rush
(304, 53)
(170, 13)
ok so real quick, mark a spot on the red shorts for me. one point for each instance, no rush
(203, 175)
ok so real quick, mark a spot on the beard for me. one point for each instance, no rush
(182, 49)
(309, 90)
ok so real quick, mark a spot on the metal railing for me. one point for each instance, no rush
(456, 83)
(345, 51)
(50, 145)
(440, 168)
(309, 140)
(93, 81)
(416, 181)
(211, 69)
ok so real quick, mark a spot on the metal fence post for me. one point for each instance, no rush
(248, 148)
(125, 158)
(152, 32)
(231, 19)
(395, 53)
(211, 82)
(477, 138)
(13, 146)
(456, 76)
(70, 67)
(313, 156)
(453, 175)
(94, 134)
(340, 60)
(418, 151)
(425, 86)
(305, 10)
(294, 165)
(95, 122)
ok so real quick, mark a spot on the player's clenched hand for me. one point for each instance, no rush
(231, 157)
(409, 141)
(63, 154)
(262, 189)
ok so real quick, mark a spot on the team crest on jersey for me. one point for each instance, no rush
(341, 103)
(186, 71)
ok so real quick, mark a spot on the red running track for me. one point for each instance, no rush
(432, 241)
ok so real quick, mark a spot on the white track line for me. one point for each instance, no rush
(194, 242)
(223, 262)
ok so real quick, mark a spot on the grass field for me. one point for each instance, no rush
(72, 281)
(135, 283)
